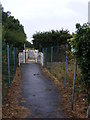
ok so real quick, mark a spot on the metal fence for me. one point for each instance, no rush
(53, 55)
(56, 61)
(9, 65)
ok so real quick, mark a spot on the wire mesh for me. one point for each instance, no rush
(6, 79)
(53, 55)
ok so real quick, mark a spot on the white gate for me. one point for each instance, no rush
(32, 55)
(40, 58)
(22, 56)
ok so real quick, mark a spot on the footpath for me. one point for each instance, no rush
(40, 94)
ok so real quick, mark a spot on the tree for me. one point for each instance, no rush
(12, 31)
(54, 38)
(81, 42)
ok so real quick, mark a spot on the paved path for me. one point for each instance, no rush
(41, 95)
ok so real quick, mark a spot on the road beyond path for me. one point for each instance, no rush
(40, 94)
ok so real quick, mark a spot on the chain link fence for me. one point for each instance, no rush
(9, 65)
(53, 55)
(63, 66)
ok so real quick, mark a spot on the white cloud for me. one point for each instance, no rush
(41, 15)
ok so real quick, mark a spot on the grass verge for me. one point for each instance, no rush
(80, 96)
(10, 107)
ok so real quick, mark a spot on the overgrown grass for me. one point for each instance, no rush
(80, 95)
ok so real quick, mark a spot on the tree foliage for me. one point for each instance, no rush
(12, 31)
(81, 42)
(45, 39)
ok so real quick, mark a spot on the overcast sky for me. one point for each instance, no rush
(45, 15)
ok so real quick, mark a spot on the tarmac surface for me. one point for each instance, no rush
(40, 94)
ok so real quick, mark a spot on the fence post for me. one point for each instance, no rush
(74, 81)
(16, 57)
(43, 55)
(11, 70)
(8, 65)
(51, 58)
(14, 60)
(46, 57)
(43, 50)
(65, 72)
